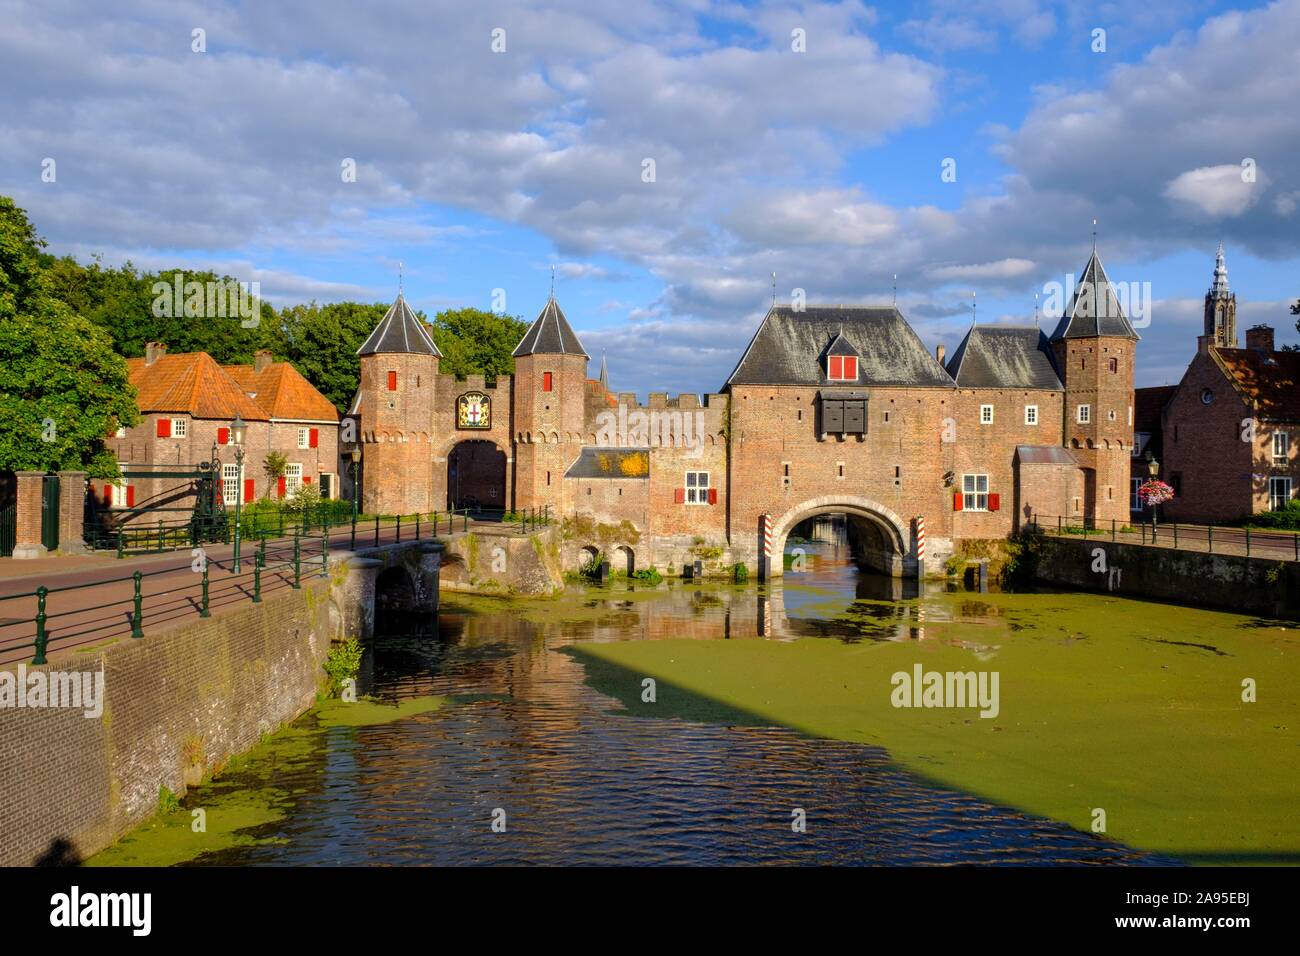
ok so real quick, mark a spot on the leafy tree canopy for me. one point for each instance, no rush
(476, 342)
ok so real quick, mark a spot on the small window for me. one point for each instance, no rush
(697, 487)
(842, 368)
(1207, 396)
(178, 428)
(986, 414)
(292, 478)
(1281, 446)
(1114, 365)
(230, 484)
(547, 382)
(392, 381)
(1031, 414)
(1084, 415)
(1134, 499)
(1279, 493)
(975, 492)
(304, 437)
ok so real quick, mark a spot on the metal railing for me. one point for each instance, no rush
(1212, 539)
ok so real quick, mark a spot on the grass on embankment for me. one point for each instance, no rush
(1132, 707)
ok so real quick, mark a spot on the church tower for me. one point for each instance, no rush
(1221, 308)
(549, 401)
(399, 369)
(1094, 347)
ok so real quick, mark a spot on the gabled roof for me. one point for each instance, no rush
(611, 463)
(1269, 382)
(400, 330)
(789, 347)
(283, 393)
(1148, 406)
(549, 334)
(840, 346)
(1094, 309)
(190, 383)
(1004, 356)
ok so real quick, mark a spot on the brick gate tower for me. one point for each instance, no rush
(549, 407)
(1094, 346)
(399, 371)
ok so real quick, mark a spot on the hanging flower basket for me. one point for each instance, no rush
(1155, 492)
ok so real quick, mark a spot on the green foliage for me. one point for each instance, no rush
(474, 341)
(1284, 519)
(306, 500)
(740, 572)
(342, 663)
(649, 576)
(167, 801)
(321, 342)
(62, 390)
(275, 465)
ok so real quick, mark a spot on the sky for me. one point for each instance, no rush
(664, 159)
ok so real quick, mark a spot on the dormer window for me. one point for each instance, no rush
(842, 368)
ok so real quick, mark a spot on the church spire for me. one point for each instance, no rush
(1221, 307)
(604, 372)
(1220, 286)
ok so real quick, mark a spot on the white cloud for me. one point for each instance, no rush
(1216, 191)
(1001, 269)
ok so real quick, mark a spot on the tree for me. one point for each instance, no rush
(276, 466)
(321, 342)
(62, 388)
(476, 342)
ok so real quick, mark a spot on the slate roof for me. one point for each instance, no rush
(1148, 403)
(400, 330)
(611, 463)
(789, 348)
(1268, 381)
(1004, 356)
(1045, 455)
(549, 334)
(283, 393)
(190, 383)
(1094, 309)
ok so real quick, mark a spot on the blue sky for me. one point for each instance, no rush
(480, 170)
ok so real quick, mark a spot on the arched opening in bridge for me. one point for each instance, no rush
(395, 602)
(857, 530)
(588, 557)
(476, 477)
(623, 561)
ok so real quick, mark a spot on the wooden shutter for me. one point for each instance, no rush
(835, 368)
(130, 496)
(995, 502)
(392, 381)
(223, 436)
(547, 382)
(248, 490)
(164, 427)
(306, 479)
(713, 496)
(313, 438)
(851, 367)
(280, 486)
(832, 415)
(679, 496)
(956, 501)
(108, 495)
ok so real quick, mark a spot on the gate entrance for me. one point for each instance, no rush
(476, 477)
(50, 512)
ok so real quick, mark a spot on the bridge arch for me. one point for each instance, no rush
(880, 537)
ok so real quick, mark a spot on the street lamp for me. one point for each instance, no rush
(237, 428)
(1153, 472)
(355, 455)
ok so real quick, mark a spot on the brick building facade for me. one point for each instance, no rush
(829, 410)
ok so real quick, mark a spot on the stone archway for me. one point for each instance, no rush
(477, 476)
(881, 537)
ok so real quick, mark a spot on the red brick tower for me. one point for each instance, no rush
(399, 368)
(1094, 347)
(549, 394)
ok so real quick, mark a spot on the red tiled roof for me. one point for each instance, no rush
(283, 393)
(191, 383)
(1268, 381)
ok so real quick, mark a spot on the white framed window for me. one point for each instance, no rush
(1279, 493)
(986, 414)
(1281, 446)
(178, 428)
(975, 492)
(697, 487)
(1084, 414)
(304, 437)
(1031, 414)
(1134, 499)
(842, 368)
(230, 484)
(292, 478)
(1130, 416)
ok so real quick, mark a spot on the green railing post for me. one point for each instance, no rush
(1175, 535)
(204, 612)
(1296, 538)
(259, 557)
(1209, 537)
(1058, 524)
(1248, 541)
(465, 526)
(280, 516)
(354, 532)
(376, 531)
(324, 555)
(121, 544)
(40, 624)
(1112, 529)
(297, 561)
(399, 529)
(417, 526)
(137, 617)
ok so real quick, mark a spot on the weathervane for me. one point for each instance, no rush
(1094, 237)
(399, 277)
(773, 288)
(552, 280)
(895, 290)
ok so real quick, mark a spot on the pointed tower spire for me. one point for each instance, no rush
(604, 372)
(1221, 307)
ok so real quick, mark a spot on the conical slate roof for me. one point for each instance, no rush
(549, 334)
(400, 330)
(1094, 310)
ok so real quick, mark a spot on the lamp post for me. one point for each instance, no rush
(355, 455)
(1153, 471)
(237, 428)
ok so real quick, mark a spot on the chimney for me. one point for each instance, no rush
(1203, 344)
(939, 353)
(153, 351)
(261, 359)
(1260, 338)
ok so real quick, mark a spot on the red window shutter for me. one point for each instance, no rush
(280, 486)
(547, 382)
(995, 502)
(851, 367)
(835, 368)
(90, 490)
(679, 496)
(108, 494)
(164, 427)
(713, 496)
(392, 381)
(223, 436)
(130, 496)
(248, 490)
(306, 479)
(313, 438)
(956, 501)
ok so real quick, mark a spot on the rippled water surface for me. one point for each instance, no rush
(582, 783)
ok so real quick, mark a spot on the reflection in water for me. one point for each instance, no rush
(582, 784)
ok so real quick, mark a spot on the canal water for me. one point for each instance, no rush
(576, 779)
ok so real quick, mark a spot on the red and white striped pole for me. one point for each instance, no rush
(765, 563)
(920, 547)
